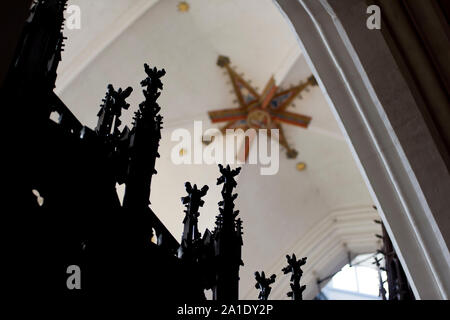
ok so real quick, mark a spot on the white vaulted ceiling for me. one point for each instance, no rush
(322, 212)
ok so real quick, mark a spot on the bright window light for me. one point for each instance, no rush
(359, 280)
(345, 280)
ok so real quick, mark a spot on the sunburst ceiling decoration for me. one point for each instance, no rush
(261, 111)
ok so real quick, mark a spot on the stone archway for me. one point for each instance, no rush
(389, 137)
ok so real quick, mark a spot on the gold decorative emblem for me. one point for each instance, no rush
(183, 6)
(301, 166)
(259, 119)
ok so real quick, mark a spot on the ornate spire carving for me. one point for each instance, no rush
(144, 143)
(228, 239)
(110, 112)
(192, 202)
(263, 284)
(294, 267)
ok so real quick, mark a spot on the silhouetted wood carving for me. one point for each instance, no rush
(227, 237)
(111, 110)
(294, 267)
(382, 291)
(398, 286)
(192, 201)
(263, 284)
(79, 218)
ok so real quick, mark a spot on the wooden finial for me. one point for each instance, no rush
(312, 81)
(222, 61)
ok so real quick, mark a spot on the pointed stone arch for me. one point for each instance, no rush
(389, 137)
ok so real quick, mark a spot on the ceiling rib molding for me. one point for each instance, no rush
(104, 39)
(347, 229)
